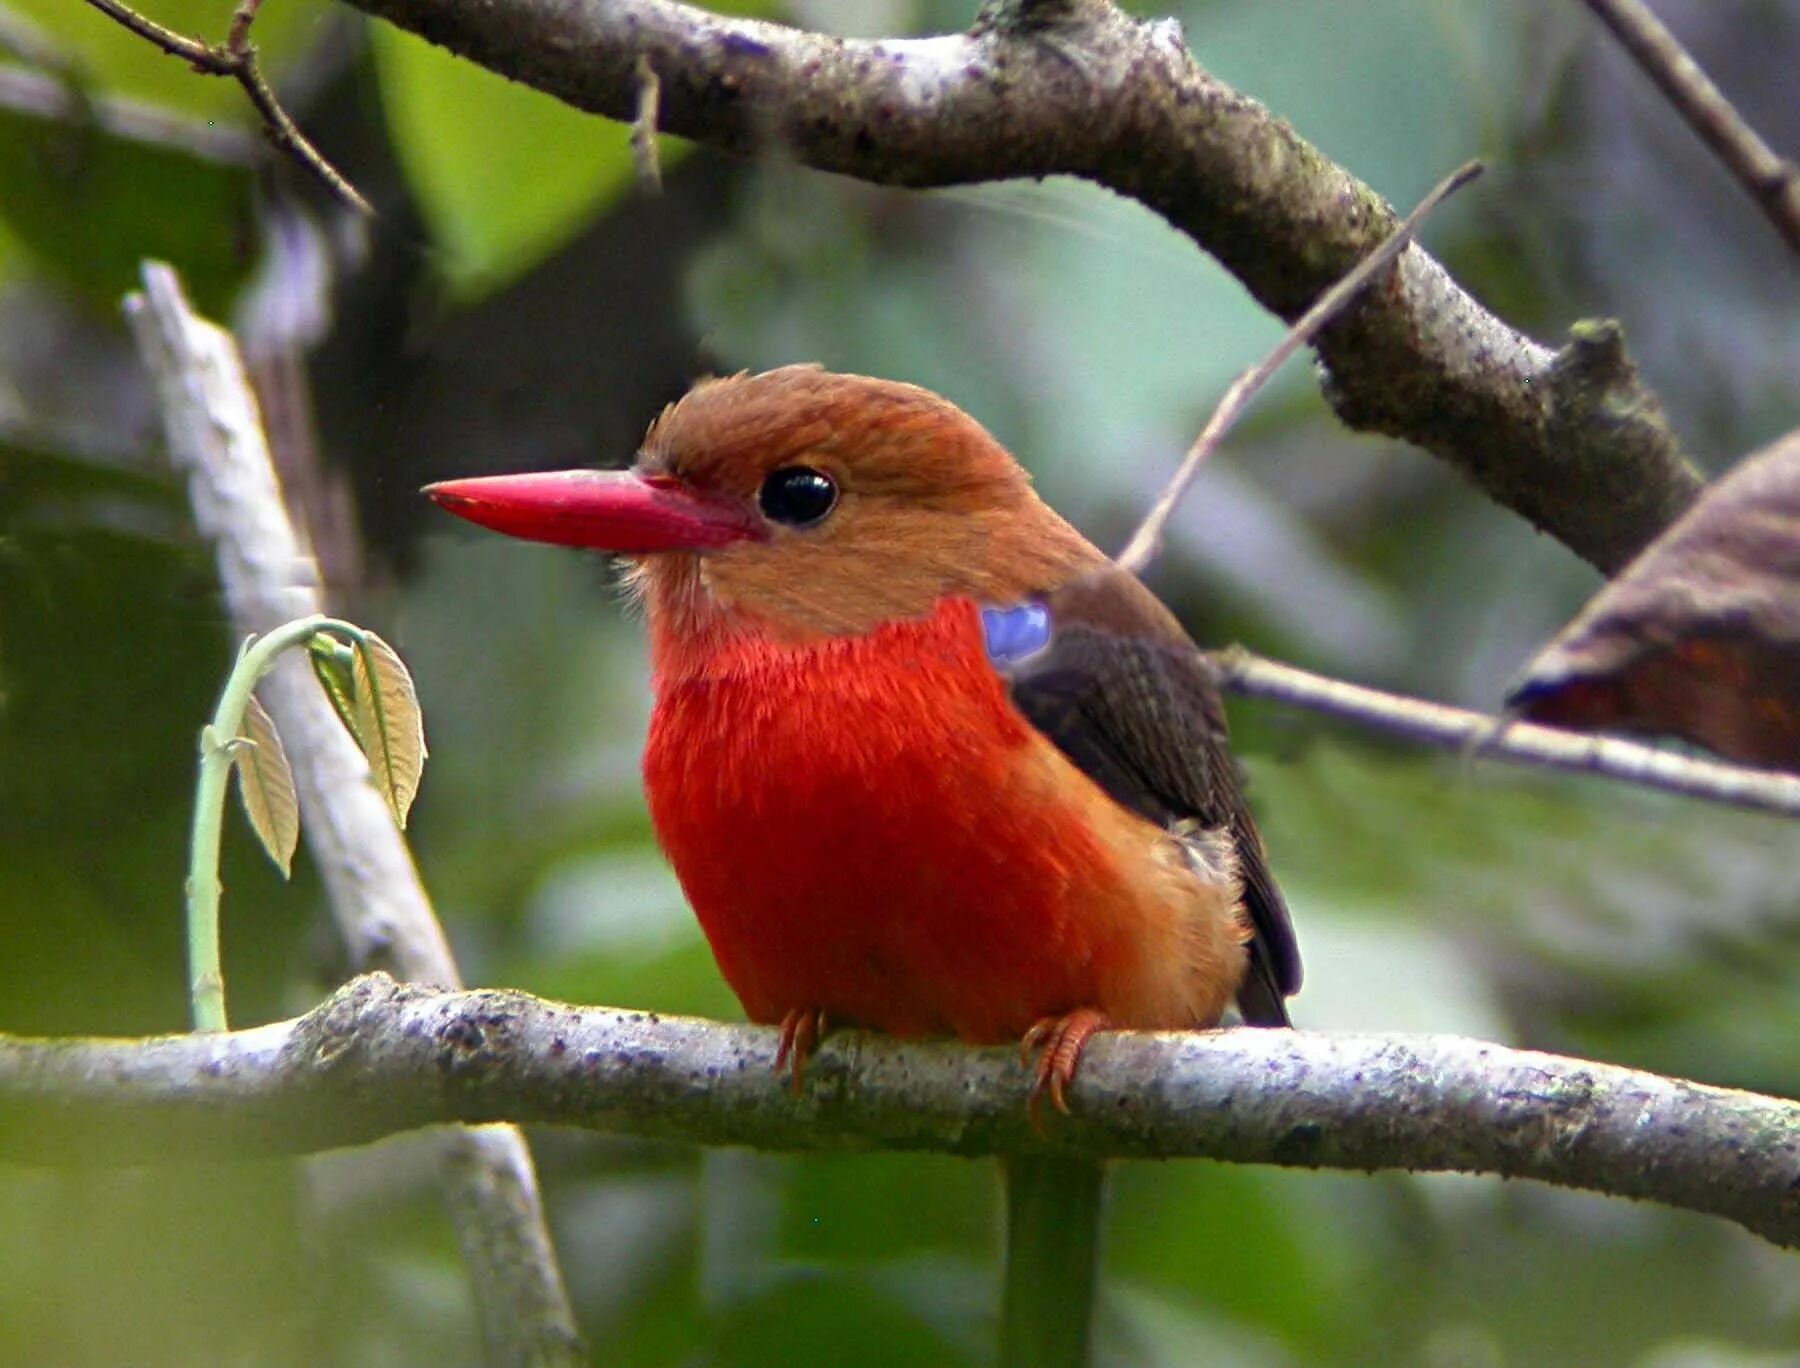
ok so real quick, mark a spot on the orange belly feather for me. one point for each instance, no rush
(865, 825)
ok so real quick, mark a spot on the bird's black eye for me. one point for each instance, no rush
(798, 496)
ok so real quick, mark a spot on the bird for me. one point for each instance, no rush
(923, 758)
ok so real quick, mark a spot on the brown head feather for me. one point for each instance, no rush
(929, 504)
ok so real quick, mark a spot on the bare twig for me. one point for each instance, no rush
(379, 1057)
(215, 437)
(197, 54)
(237, 37)
(1147, 540)
(1772, 180)
(236, 58)
(1524, 743)
(643, 128)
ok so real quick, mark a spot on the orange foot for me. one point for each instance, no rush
(801, 1031)
(1058, 1042)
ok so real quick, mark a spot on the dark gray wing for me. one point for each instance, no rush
(1107, 673)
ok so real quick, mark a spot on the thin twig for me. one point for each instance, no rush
(1772, 180)
(237, 59)
(201, 56)
(643, 128)
(1147, 540)
(1524, 743)
(237, 37)
(286, 135)
(215, 437)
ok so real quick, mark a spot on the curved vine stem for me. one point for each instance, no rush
(220, 741)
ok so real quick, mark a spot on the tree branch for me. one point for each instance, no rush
(216, 438)
(1146, 542)
(236, 58)
(1772, 180)
(1570, 440)
(1524, 743)
(380, 1057)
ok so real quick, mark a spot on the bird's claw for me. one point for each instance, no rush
(1057, 1043)
(801, 1031)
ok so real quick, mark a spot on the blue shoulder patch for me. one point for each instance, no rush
(1015, 634)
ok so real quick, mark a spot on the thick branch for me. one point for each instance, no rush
(381, 1057)
(1572, 441)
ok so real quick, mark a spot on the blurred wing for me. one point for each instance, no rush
(1105, 671)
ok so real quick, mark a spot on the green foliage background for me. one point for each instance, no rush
(1430, 895)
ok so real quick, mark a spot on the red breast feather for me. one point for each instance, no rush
(865, 824)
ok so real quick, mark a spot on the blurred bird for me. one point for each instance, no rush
(923, 758)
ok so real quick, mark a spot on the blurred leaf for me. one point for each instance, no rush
(87, 208)
(1157, 1332)
(266, 786)
(685, 980)
(1639, 927)
(924, 1204)
(1699, 637)
(809, 1315)
(1448, 89)
(99, 629)
(160, 1267)
(505, 175)
(1281, 1269)
(1699, 1353)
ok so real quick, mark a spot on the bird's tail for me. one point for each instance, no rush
(1053, 1226)
(1053, 1223)
(1260, 1000)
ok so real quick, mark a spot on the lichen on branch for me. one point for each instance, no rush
(380, 1057)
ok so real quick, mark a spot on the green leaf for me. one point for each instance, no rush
(389, 726)
(505, 175)
(266, 786)
(334, 666)
(373, 695)
(87, 208)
